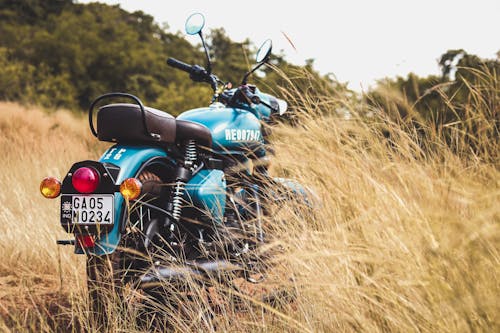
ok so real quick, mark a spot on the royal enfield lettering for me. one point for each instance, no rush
(242, 135)
(119, 154)
(109, 154)
(116, 156)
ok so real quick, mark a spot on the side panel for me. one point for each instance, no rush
(207, 191)
(130, 159)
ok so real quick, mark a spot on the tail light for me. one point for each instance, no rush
(85, 180)
(85, 241)
(50, 187)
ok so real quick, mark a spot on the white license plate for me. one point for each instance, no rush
(88, 209)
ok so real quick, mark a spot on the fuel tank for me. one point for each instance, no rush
(233, 130)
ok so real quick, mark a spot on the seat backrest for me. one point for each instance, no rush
(123, 123)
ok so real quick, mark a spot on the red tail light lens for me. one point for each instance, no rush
(85, 241)
(85, 180)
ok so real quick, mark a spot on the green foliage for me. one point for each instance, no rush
(231, 60)
(31, 11)
(61, 54)
(462, 105)
(58, 53)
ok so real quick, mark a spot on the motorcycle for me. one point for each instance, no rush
(174, 197)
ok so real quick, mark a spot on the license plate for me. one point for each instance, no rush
(87, 209)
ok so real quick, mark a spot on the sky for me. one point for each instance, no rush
(359, 41)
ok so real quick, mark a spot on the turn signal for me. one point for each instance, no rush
(50, 187)
(131, 188)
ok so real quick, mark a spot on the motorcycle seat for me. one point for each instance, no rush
(122, 122)
(189, 130)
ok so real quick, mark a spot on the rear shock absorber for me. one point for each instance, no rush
(177, 200)
(190, 156)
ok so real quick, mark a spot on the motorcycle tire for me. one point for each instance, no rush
(108, 275)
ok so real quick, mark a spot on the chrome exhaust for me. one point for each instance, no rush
(191, 269)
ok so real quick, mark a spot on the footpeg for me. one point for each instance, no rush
(65, 242)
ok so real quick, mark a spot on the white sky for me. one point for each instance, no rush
(357, 40)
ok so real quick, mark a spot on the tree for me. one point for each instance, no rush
(462, 104)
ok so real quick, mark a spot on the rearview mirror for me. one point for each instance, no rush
(264, 51)
(261, 58)
(195, 23)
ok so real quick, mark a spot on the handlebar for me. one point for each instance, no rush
(250, 96)
(245, 92)
(179, 65)
(200, 74)
(196, 73)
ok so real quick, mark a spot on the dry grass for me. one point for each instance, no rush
(36, 275)
(404, 239)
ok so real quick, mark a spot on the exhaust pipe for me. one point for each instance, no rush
(196, 269)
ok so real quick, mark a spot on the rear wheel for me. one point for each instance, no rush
(102, 287)
(110, 277)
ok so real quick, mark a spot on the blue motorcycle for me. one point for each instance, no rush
(174, 196)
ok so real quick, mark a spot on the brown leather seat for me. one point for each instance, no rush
(123, 123)
(187, 130)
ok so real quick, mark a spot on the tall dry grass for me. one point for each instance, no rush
(405, 238)
(36, 275)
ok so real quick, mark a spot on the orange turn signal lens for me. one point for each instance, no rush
(50, 187)
(131, 188)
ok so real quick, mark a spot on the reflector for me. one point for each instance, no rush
(131, 188)
(50, 187)
(85, 180)
(85, 241)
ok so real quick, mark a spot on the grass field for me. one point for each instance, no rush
(404, 240)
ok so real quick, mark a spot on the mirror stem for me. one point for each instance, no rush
(245, 78)
(209, 63)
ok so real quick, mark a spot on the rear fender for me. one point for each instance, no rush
(130, 160)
